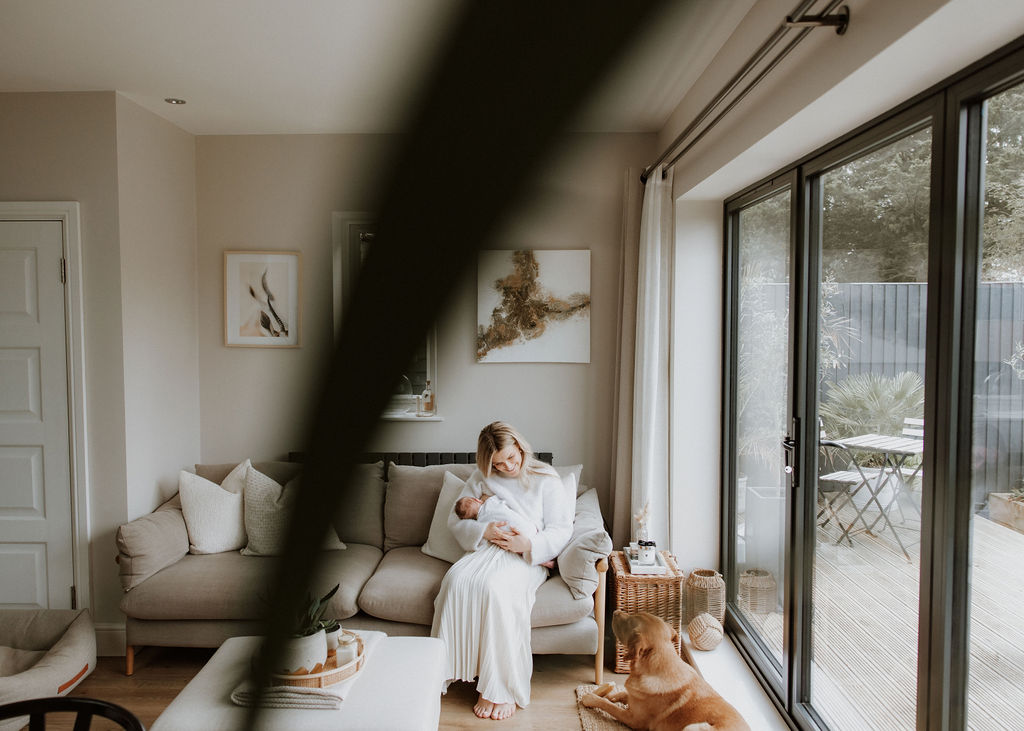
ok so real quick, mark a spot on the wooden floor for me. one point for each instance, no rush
(161, 673)
(864, 669)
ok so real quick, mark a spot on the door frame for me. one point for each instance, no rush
(67, 212)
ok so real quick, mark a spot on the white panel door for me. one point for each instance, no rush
(36, 561)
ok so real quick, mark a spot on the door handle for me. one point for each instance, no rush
(790, 454)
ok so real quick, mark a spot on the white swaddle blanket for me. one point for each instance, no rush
(290, 696)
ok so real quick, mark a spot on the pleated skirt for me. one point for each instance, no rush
(482, 613)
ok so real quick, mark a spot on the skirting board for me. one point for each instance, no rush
(110, 638)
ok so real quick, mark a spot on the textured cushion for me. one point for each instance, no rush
(242, 586)
(411, 496)
(361, 515)
(267, 508)
(441, 543)
(150, 543)
(404, 586)
(213, 513)
(14, 661)
(589, 543)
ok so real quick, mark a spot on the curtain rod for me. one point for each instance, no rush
(798, 18)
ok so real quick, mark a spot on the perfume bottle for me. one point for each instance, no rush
(646, 547)
(425, 403)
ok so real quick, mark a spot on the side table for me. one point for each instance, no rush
(659, 594)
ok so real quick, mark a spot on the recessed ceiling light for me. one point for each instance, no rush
(172, 100)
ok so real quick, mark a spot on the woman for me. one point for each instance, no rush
(482, 612)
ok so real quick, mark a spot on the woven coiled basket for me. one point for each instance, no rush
(705, 592)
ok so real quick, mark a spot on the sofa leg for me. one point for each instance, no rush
(129, 659)
(599, 602)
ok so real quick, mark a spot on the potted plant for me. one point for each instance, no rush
(332, 631)
(306, 650)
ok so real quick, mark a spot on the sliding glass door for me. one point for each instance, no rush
(874, 441)
(870, 237)
(762, 397)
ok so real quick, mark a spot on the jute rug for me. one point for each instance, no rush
(593, 719)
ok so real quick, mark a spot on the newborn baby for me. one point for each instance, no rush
(489, 509)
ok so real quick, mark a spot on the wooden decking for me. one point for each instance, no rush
(864, 670)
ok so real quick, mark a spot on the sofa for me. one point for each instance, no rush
(175, 596)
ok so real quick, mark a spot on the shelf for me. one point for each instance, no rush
(410, 417)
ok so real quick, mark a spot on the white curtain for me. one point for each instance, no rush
(650, 454)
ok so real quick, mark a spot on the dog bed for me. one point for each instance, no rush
(43, 652)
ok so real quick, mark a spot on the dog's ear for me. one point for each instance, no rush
(634, 645)
(675, 636)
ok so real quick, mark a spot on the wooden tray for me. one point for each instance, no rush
(331, 674)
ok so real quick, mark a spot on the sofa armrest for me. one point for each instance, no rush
(152, 542)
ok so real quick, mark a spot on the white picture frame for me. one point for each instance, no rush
(262, 299)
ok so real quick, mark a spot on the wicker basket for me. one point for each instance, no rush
(331, 674)
(758, 591)
(660, 594)
(705, 592)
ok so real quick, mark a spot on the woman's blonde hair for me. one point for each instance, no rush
(497, 436)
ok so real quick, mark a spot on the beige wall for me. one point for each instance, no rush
(62, 147)
(157, 206)
(279, 192)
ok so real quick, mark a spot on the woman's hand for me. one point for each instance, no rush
(493, 533)
(513, 541)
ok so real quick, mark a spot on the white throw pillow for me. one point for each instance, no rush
(570, 475)
(266, 515)
(213, 513)
(440, 541)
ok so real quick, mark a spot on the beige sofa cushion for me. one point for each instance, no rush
(407, 581)
(185, 590)
(403, 587)
(411, 497)
(152, 542)
(361, 514)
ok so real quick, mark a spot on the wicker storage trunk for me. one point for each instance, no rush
(660, 594)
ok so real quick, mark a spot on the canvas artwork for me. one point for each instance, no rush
(533, 306)
(261, 298)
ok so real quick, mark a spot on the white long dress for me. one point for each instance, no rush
(482, 612)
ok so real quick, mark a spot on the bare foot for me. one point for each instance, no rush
(483, 708)
(502, 711)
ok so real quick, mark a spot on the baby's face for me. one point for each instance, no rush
(470, 506)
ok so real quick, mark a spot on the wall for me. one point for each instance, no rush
(156, 176)
(62, 147)
(279, 192)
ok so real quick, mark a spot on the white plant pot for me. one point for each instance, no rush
(304, 654)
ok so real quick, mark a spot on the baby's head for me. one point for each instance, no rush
(468, 507)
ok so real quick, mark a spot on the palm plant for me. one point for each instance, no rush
(869, 402)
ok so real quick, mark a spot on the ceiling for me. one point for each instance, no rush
(310, 66)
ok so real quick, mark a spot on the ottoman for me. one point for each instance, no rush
(399, 687)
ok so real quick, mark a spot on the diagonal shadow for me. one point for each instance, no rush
(510, 77)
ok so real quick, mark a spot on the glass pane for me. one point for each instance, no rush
(762, 370)
(871, 335)
(996, 632)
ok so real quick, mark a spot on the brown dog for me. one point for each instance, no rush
(663, 693)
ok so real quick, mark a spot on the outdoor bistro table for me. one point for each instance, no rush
(895, 452)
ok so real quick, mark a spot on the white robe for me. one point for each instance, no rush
(482, 612)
